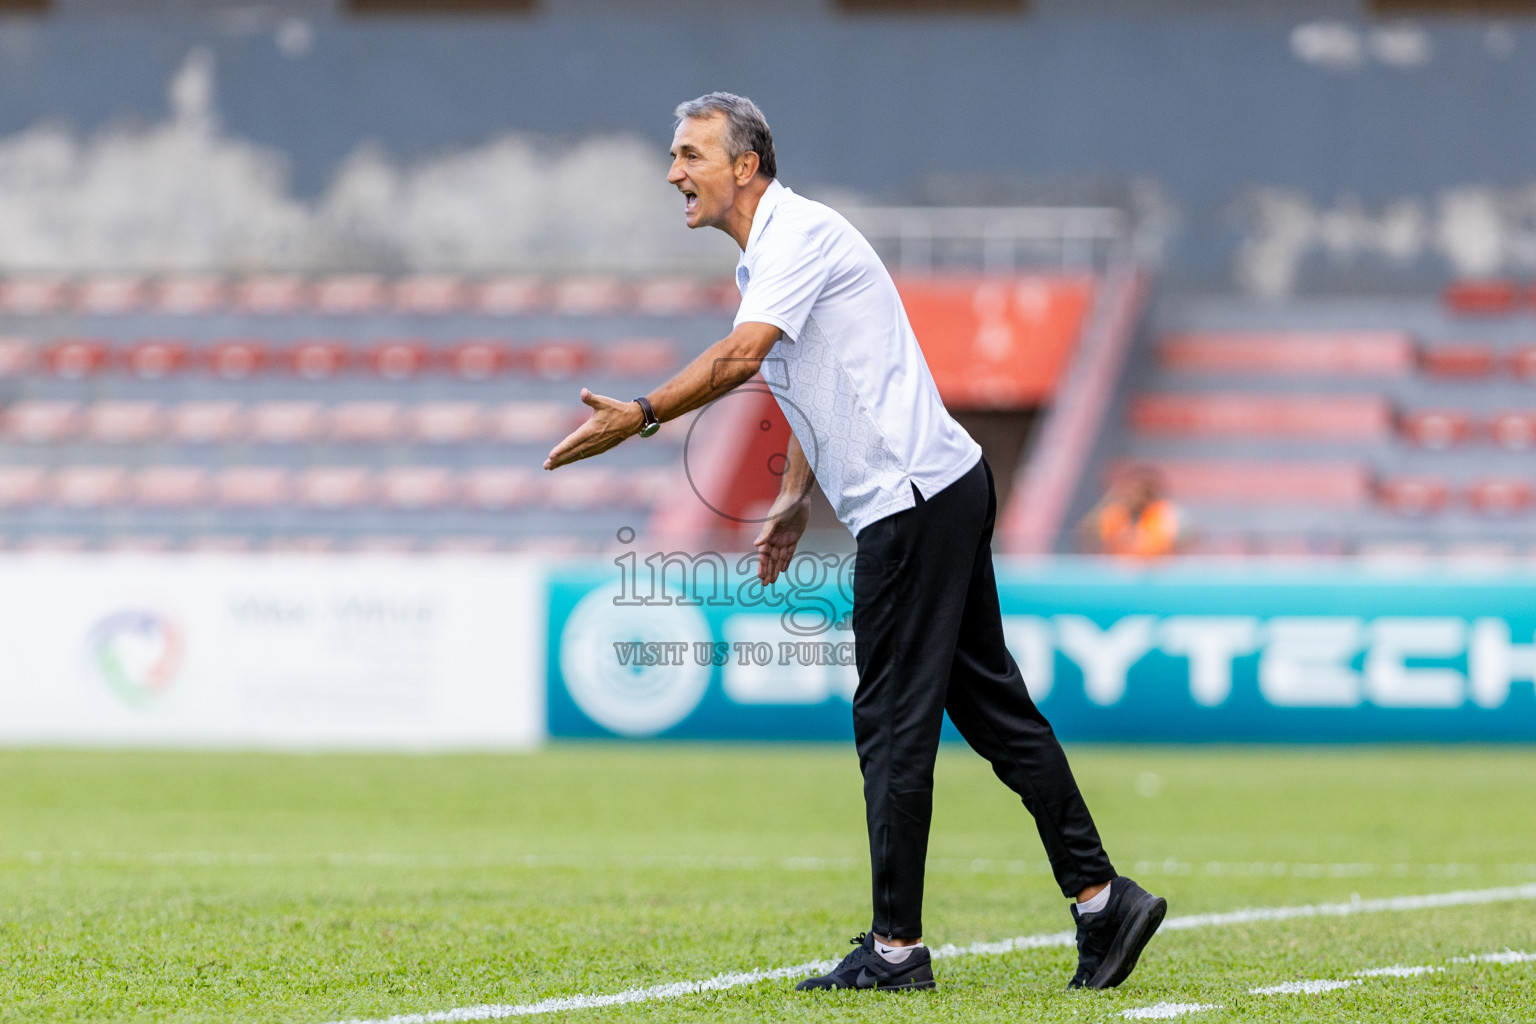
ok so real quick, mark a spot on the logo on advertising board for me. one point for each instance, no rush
(134, 653)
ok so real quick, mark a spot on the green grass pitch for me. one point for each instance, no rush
(244, 887)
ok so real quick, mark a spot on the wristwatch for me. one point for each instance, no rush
(652, 424)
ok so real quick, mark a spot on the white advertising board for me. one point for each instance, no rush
(301, 652)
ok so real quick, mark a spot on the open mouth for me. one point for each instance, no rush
(690, 201)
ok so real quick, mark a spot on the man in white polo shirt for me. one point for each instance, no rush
(913, 488)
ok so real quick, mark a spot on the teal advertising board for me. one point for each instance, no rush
(693, 648)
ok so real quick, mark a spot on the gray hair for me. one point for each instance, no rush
(746, 129)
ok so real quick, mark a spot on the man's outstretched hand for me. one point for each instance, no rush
(780, 534)
(611, 422)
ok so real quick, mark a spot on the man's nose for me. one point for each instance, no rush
(675, 173)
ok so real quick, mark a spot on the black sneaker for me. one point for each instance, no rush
(1108, 942)
(865, 968)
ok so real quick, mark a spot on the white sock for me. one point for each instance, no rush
(895, 954)
(1096, 904)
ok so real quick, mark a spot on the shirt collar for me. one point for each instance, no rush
(765, 207)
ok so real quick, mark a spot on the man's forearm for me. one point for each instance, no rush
(797, 470)
(727, 363)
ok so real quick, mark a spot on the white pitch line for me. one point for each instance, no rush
(737, 979)
(1296, 988)
(1167, 1011)
(1397, 971)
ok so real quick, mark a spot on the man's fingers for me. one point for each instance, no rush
(589, 398)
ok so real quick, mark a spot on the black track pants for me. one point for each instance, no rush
(929, 639)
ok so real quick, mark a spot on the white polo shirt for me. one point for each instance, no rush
(848, 367)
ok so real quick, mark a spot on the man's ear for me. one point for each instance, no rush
(746, 167)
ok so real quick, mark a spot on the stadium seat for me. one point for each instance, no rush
(671, 296)
(499, 487)
(109, 293)
(190, 294)
(1414, 496)
(1499, 497)
(1462, 360)
(124, 422)
(317, 360)
(445, 422)
(41, 422)
(365, 421)
(20, 485)
(1482, 298)
(590, 294)
(428, 293)
(350, 293)
(398, 360)
(204, 422)
(334, 487)
(584, 487)
(251, 486)
(1522, 363)
(273, 293)
(479, 360)
(1341, 417)
(640, 357)
(236, 360)
(1299, 353)
(510, 295)
(557, 360)
(285, 422)
(87, 486)
(29, 296)
(524, 422)
(170, 486)
(75, 358)
(15, 357)
(1261, 482)
(412, 487)
(1515, 431)
(155, 360)
(1436, 430)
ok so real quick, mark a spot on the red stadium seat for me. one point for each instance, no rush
(640, 356)
(1258, 482)
(29, 296)
(190, 294)
(1414, 496)
(1522, 363)
(592, 294)
(1515, 431)
(428, 293)
(252, 486)
(411, 487)
(154, 360)
(479, 360)
(74, 358)
(366, 421)
(41, 422)
(170, 486)
(272, 293)
(1482, 298)
(110, 293)
(1342, 417)
(1462, 360)
(1437, 430)
(509, 295)
(446, 422)
(20, 485)
(398, 360)
(1500, 497)
(519, 422)
(237, 360)
(671, 296)
(556, 360)
(124, 422)
(499, 487)
(88, 486)
(350, 293)
(334, 487)
(15, 357)
(285, 422)
(1298, 353)
(205, 422)
(317, 360)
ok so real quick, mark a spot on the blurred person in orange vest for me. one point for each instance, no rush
(1133, 520)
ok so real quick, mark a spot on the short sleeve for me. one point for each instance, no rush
(787, 274)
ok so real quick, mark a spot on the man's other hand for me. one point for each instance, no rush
(780, 534)
(611, 422)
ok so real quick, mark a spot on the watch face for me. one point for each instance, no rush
(649, 429)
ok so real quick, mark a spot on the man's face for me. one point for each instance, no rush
(702, 172)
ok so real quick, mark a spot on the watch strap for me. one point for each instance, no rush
(651, 424)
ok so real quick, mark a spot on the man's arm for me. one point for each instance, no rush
(725, 364)
(787, 517)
